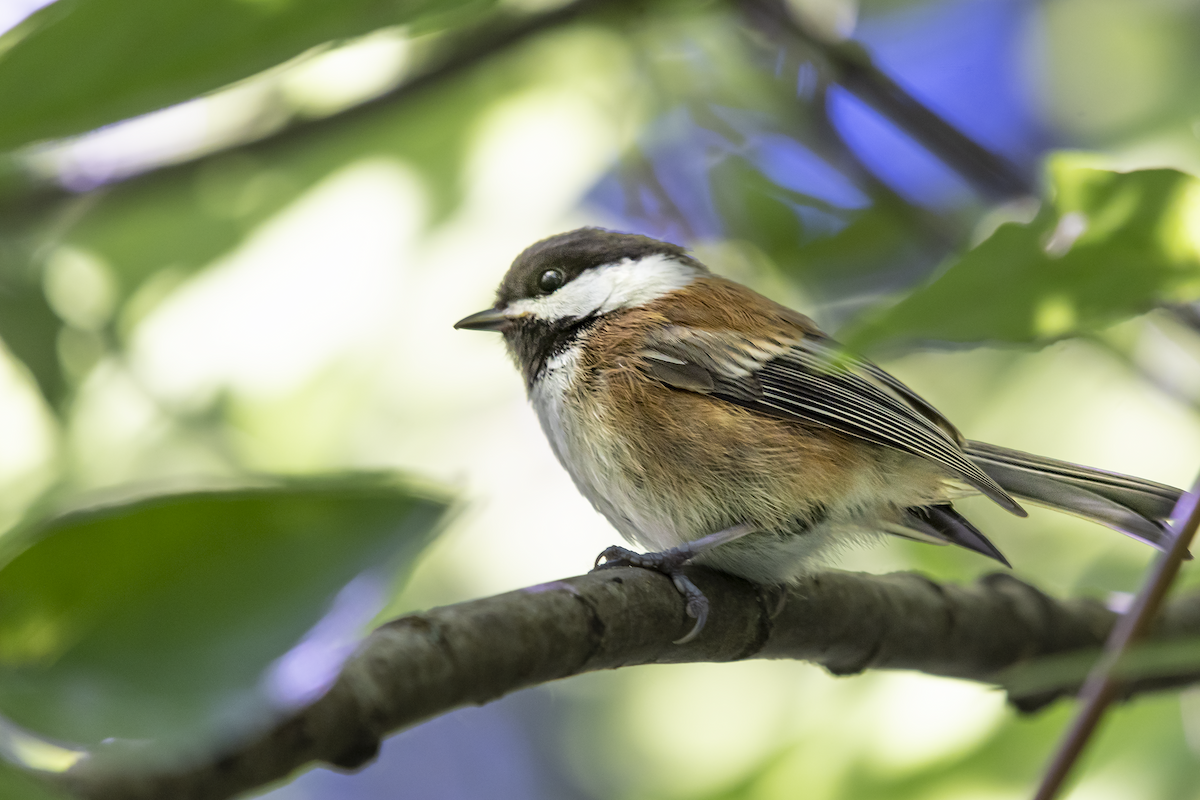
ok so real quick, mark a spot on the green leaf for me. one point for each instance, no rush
(80, 64)
(30, 329)
(1108, 246)
(16, 784)
(831, 251)
(156, 619)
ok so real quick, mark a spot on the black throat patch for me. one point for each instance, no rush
(533, 342)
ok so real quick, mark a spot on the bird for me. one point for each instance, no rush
(712, 425)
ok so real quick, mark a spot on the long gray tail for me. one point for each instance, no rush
(1133, 506)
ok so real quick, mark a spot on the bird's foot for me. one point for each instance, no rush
(669, 563)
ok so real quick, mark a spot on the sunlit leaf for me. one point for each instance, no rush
(1107, 246)
(72, 67)
(152, 619)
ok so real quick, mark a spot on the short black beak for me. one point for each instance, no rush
(493, 319)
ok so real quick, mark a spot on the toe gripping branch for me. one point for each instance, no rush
(671, 563)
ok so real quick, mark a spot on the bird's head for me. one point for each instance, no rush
(562, 285)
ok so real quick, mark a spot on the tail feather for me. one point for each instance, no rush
(1133, 506)
(944, 524)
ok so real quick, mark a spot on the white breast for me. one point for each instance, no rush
(547, 395)
(589, 460)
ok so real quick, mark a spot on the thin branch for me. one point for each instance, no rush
(419, 666)
(991, 175)
(1101, 686)
(939, 233)
(1186, 314)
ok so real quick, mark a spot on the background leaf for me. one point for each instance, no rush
(154, 618)
(1107, 246)
(16, 784)
(191, 215)
(58, 77)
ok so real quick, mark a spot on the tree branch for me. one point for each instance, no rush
(422, 665)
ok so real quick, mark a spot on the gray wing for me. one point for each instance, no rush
(814, 380)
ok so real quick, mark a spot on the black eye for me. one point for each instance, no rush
(551, 279)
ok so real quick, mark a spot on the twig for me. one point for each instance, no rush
(939, 233)
(991, 175)
(422, 665)
(1186, 314)
(1101, 687)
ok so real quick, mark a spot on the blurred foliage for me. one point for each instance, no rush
(151, 619)
(30, 329)
(192, 215)
(170, 224)
(1152, 660)
(1067, 272)
(167, 617)
(160, 54)
(16, 784)
(1014, 756)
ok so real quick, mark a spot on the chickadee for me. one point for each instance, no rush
(711, 424)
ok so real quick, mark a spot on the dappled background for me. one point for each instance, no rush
(258, 286)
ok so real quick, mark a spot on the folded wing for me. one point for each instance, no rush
(812, 379)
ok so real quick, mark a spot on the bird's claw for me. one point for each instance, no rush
(616, 556)
(669, 563)
(696, 605)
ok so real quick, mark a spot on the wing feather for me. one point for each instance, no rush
(813, 380)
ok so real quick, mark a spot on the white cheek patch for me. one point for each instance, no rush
(609, 287)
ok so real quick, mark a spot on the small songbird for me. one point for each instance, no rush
(711, 424)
